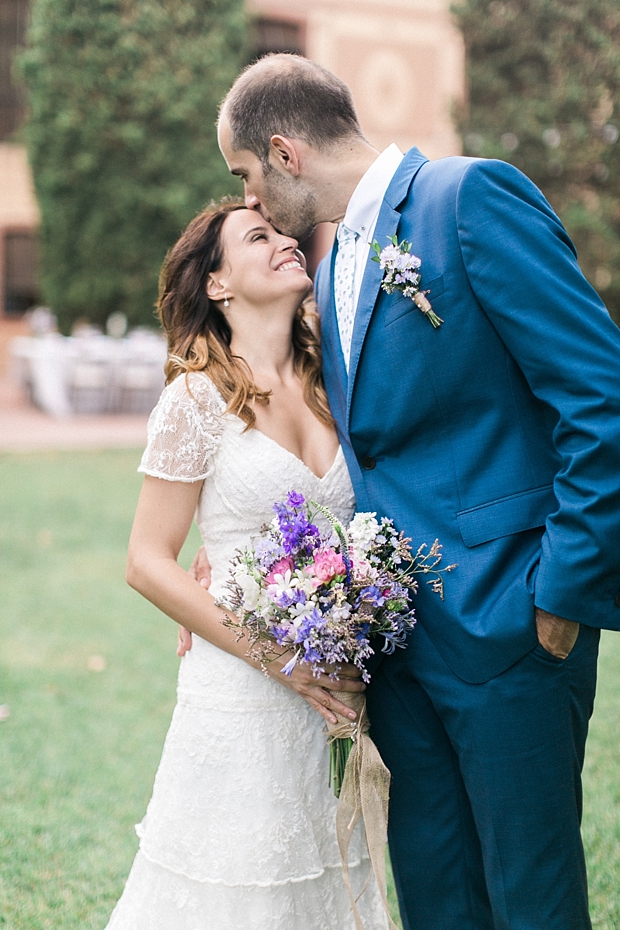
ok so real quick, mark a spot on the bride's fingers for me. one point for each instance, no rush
(341, 684)
(328, 706)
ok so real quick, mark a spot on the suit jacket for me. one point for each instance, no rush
(499, 432)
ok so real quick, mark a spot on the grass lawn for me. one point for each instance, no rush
(88, 669)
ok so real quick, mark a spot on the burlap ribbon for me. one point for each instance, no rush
(365, 793)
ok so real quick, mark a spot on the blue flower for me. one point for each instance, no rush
(393, 639)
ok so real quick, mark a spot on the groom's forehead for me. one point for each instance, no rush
(238, 161)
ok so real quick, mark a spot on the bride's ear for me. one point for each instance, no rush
(215, 289)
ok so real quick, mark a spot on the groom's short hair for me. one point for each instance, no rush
(288, 95)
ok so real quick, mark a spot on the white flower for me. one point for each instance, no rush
(250, 588)
(341, 613)
(281, 585)
(390, 255)
(362, 531)
(300, 611)
(363, 571)
(304, 582)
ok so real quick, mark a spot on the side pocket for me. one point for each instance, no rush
(506, 515)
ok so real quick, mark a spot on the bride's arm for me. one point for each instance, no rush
(163, 518)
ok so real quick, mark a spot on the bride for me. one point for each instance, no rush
(239, 833)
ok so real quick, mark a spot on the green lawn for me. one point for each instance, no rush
(81, 745)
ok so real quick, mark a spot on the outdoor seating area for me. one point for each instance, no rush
(91, 373)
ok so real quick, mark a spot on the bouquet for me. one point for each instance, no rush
(329, 598)
(325, 595)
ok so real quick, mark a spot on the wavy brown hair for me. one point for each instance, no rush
(199, 334)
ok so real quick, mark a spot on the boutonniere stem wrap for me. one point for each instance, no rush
(402, 273)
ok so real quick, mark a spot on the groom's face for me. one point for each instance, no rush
(287, 203)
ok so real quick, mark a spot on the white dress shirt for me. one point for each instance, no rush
(364, 205)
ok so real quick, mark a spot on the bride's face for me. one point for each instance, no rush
(260, 265)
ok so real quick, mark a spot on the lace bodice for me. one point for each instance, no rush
(191, 438)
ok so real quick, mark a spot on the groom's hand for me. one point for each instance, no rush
(316, 691)
(200, 570)
(556, 635)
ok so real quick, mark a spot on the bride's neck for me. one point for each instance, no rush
(266, 345)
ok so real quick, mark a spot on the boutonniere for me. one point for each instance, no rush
(402, 273)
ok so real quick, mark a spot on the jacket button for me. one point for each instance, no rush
(368, 462)
(617, 601)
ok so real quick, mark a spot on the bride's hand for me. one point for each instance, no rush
(316, 691)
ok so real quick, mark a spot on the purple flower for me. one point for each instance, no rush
(310, 622)
(295, 499)
(288, 668)
(373, 595)
(280, 633)
(311, 655)
(268, 551)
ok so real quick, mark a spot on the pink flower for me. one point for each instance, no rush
(279, 568)
(327, 564)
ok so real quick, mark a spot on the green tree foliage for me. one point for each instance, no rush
(544, 94)
(123, 98)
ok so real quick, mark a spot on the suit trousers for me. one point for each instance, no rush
(486, 795)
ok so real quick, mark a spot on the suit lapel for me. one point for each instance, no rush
(334, 370)
(387, 225)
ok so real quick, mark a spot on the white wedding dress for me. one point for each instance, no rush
(239, 833)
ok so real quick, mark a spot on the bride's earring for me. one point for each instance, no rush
(226, 301)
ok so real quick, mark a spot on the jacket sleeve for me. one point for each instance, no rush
(523, 270)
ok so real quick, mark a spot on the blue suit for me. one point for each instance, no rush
(499, 433)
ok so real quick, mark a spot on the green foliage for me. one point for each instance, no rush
(544, 94)
(120, 131)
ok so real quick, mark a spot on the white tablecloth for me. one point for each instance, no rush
(92, 374)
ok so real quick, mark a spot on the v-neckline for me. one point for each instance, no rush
(298, 459)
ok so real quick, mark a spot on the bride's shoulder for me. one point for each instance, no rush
(194, 388)
(184, 429)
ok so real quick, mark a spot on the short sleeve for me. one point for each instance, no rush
(184, 430)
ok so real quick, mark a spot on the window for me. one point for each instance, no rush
(272, 35)
(20, 273)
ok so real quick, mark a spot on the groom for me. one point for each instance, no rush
(498, 432)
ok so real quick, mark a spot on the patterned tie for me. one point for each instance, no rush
(344, 270)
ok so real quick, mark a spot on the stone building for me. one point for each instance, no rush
(403, 60)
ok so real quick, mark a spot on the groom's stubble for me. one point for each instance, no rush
(288, 205)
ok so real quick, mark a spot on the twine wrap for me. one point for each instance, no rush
(365, 793)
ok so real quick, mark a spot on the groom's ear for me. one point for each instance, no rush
(286, 155)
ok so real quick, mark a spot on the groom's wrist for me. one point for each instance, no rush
(556, 634)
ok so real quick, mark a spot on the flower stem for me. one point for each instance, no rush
(339, 750)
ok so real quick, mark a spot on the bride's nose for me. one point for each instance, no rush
(287, 244)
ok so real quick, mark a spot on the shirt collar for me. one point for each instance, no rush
(365, 203)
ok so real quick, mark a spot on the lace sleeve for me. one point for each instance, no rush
(184, 430)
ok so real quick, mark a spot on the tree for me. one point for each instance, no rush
(544, 94)
(123, 98)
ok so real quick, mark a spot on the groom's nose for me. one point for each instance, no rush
(251, 200)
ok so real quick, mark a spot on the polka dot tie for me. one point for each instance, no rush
(344, 270)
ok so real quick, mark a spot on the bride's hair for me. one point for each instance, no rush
(199, 334)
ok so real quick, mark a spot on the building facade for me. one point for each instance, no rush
(403, 60)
